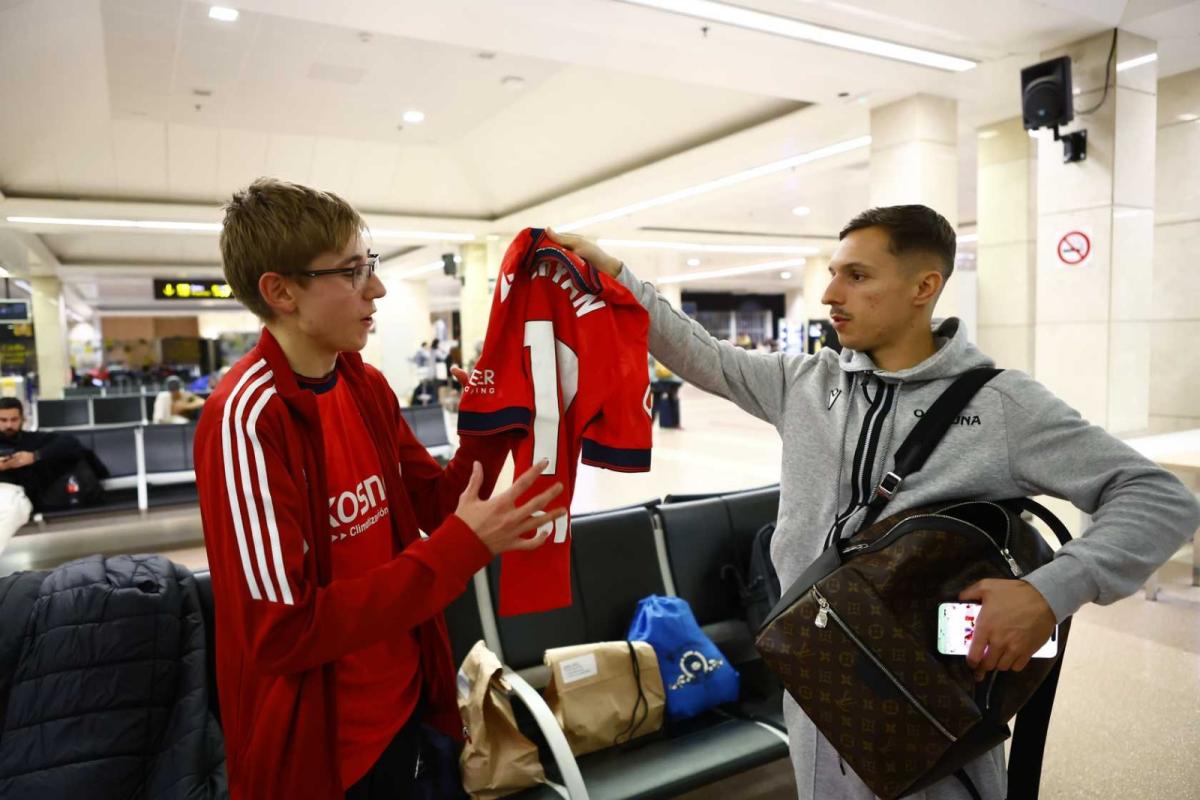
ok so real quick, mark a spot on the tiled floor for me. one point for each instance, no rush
(1127, 719)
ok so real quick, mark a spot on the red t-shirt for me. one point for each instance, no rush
(565, 361)
(378, 687)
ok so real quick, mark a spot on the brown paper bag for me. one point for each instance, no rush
(497, 759)
(594, 693)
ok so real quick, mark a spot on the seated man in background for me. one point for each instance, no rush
(174, 404)
(53, 470)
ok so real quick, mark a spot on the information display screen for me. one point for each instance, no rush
(14, 311)
(171, 289)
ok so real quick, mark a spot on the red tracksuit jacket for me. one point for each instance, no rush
(280, 621)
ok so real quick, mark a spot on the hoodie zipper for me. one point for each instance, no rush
(868, 442)
(825, 612)
(1003, 550)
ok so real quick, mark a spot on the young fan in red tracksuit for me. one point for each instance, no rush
(330, 643)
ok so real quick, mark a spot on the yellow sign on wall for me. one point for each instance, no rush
(166, 289)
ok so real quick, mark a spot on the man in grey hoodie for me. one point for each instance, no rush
(841, 418)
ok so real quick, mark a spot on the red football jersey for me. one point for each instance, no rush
(564, 360)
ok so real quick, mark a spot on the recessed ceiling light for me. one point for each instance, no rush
(414, 117)
(801, 211)
(787, 276)
(990, 133)
(514, 83)
(223, 14)
(693, 262)
(1189, 117)
(1137, 62)
(733, 271)
(722, 183)
(804, 31)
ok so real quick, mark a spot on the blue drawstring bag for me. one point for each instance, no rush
(695, 674)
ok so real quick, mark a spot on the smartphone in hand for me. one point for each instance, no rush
(956, 628)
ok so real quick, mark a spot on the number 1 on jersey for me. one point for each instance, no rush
(554, 367)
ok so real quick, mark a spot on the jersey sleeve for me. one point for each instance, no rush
(499, 392)
(619, 437)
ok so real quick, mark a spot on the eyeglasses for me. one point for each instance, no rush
(359, 273)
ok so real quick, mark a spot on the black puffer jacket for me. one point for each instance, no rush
(108, 696)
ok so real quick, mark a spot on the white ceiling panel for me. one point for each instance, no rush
(134, 248)
(192, 161)
(140, 156)
(290, 157)
(333, 164)
(241, 156)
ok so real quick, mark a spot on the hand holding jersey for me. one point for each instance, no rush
(498, 522)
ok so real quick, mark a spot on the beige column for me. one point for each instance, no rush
(1092, 338)
(1175, 302)
(480, 263)
(49, 336)
(914, 159)
(1006, 263)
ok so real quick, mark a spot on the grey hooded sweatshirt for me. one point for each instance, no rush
(841, 420)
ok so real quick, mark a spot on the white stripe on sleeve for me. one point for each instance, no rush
(235, 506)
(264, 488)
(260, 555)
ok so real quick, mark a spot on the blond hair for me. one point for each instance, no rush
(277, 226)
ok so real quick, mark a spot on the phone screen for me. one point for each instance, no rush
(956, 628)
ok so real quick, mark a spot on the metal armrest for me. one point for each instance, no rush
(568, 767)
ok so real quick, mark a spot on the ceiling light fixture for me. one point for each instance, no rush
(135, 224)
(424, 269)
(732, 271)
(787, 276)
(215, 227)
(808, 32)
(968, 238)
(1188, 117)
(436, 236)
(990, 133)
(1149, 58)
(414, 117)
(222, 14)
(721, 183)
(696, 247)
(801, 211)
(693, 262)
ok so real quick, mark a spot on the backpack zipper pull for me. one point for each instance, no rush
(822, 613)
(1012, 562)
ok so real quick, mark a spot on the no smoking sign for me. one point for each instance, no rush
(1074, 248)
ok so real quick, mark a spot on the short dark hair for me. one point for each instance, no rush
(911, 229)
(12, 402)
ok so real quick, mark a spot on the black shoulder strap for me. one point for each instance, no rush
(925, 437)
(1045, 515)
(1029, 732)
